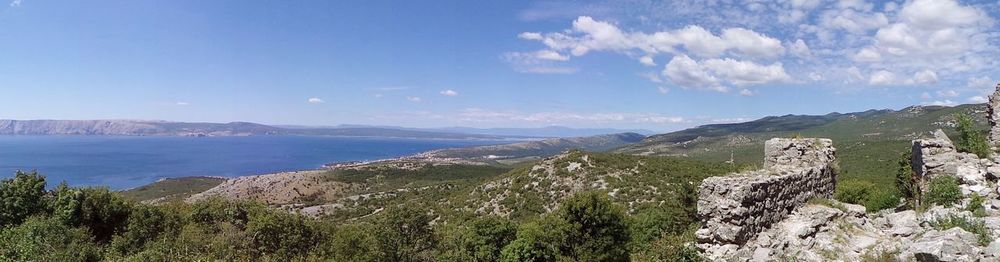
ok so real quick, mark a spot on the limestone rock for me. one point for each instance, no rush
(950, 245)
(798, 152)
(903, 223)
(993, 113)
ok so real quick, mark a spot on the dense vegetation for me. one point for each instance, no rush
(92, 224)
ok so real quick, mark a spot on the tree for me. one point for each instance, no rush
(405, 234)
(21, 197)
(971, 140)
(906, 182)
(104, 212)
(352, 242)
(46, 239)
(596, 228)
(536, 241)
(482, 240)
(281, 234)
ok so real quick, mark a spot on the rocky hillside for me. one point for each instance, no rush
(535, 149)
(721, 140)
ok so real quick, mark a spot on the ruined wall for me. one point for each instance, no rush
(937, 156)
(736, 207)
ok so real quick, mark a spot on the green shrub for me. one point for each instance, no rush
(482, 240)
(650, 224)
(104, 212)
(906, 182)
(145, 224)
(352, 242)
(971, 140)
(596, 228)
(971, 225)
(280, 234)
(976, 205)
(880, 199)
(679, 247)
(536, 241)
(404, 233)
(21, 197)
(865, 193)
(943, 190)
(46, 239)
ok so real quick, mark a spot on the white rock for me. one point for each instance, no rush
(950, 245)
(903, 223)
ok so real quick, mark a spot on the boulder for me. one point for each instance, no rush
(903, 223)
(953, 244)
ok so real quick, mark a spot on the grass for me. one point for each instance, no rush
(971, 225)
(172, 188)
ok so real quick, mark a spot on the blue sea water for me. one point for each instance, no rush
(126, 162)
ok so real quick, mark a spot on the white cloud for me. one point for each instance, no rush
(947, 93)
(449, 92)
(479, 115)
(315, 100)
(925, 95)
(983, 82)
(747, 72)
(867, 54)
(663, 90)
(940, 14)
(647, 60)
(747, 92)
(978, 99)
(182, 104)
(550, 55)
(800, 49)
(590, 35)
(925, 77)
(530, 36)
(815, 76)
(415, 99)
(531, 63)
(15, 3)
(685, 72)
(945, 102)
(882, 77)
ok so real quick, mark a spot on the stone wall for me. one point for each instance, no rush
(736, 207)
(937, 156)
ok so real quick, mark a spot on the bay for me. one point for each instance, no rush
(126, 162)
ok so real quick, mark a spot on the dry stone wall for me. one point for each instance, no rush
(735, 208)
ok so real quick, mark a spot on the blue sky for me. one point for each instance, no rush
(658, 65)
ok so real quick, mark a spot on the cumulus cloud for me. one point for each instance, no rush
(981, 82)
(590, 35)
(449, 92)
(882, 77)
(978, 99)
(315, 100)
(532, 63)
(800, 49)
(947, 93)
(711, 73)
(945, 102)
(925, 77)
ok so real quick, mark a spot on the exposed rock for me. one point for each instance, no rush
(903, 223)
(993, 113)
(937, 156)
(737, 207)
(950, 245)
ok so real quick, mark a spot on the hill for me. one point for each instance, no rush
(165, 128)
(535, 149)
(869, 142)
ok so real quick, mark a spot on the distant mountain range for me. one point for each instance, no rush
(166, 128)
(540, 148)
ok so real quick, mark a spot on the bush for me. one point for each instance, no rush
(352, 243)
(677, 247)
(281, 234)
(483, 240)
(41, 239)
(943, 190)
(865, 193)
(976, 205)
(971, 140)
(21, 197)
(536, 241)
(649, 225)
(971, 225)
(596, 228)
(145, 224)
(104, 212)
(404, 233)
(906, 182)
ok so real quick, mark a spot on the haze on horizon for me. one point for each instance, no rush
(613, 64)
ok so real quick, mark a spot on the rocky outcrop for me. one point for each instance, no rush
(735, 208)
(278, 189)
(993, 113)
(937, 156)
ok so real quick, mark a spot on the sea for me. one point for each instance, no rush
(127, 162)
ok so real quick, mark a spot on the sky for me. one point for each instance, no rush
(656, 65)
